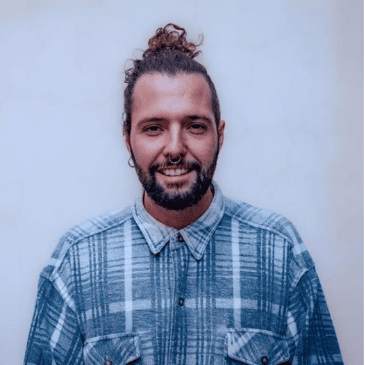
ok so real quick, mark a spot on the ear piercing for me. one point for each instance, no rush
(130, 162)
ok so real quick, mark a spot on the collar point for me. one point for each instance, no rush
(197, 256)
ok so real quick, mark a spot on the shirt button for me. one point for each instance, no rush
(108, 362)
(264, 360)
(180, 238)
(181, 302)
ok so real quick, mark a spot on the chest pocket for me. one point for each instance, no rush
(116, 349)
(257, 347)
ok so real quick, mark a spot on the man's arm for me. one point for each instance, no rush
(311, 334)
(54, 336)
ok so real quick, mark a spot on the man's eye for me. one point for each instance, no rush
(197, 128)
(153, 129)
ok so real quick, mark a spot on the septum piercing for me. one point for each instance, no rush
(175, 161)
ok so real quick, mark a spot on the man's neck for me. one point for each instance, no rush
(178, 218)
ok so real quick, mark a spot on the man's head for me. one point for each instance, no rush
(168, 53)
(172, 121)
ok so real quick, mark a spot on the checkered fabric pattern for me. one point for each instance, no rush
(236, 286)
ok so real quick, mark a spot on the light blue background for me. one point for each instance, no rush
(289, 75)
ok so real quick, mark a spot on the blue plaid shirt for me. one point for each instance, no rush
(236, 286)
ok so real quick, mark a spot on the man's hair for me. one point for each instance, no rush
(169, 53)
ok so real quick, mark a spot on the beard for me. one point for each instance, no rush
(175, 199)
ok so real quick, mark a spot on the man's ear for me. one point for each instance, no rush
(221, 128)
(127, 140)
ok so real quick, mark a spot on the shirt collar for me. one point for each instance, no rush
(196, 235)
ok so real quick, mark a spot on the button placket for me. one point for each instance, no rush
(181, 258)
(181, 286)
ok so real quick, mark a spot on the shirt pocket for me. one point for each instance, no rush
(115, 349)
(256, 347)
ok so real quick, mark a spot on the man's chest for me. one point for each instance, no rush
(171, 308)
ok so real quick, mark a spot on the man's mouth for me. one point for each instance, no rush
(174, 172)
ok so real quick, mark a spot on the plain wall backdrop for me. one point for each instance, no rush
(289, 75)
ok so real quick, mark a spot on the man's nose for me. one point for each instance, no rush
(175, 143)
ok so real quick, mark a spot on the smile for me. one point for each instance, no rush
(173, 172)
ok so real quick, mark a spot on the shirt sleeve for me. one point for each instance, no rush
(310, 332)
(54, 337)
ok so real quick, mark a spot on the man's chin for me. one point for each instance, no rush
(174, 198)
(176, 202)
(177, 198)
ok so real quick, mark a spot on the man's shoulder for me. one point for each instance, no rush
(263, 219)
(249, 216)
(86, 230)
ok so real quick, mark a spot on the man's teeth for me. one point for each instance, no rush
(174, 172)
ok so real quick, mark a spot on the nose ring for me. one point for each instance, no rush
(175, 161)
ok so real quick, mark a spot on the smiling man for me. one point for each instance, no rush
(174, 142)
(185, 275)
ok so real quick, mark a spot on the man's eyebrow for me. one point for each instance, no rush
(159, 119)
(196, 117)
(149, 119)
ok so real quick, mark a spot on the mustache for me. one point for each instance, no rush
(181, 165)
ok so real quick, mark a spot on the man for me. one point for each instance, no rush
(185, 275)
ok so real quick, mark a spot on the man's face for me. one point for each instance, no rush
(172, 119)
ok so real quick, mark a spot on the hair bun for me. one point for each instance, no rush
(173, 40)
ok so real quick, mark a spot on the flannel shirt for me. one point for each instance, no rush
(236, 286)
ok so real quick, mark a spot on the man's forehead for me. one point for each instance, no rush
(163, 96)
(162, 84)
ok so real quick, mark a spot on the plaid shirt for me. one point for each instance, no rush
(236, 286)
